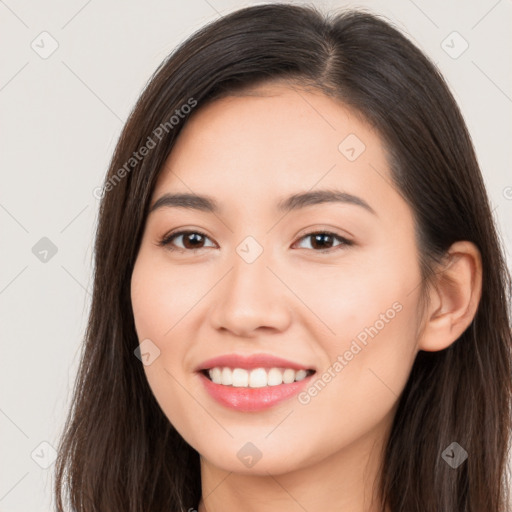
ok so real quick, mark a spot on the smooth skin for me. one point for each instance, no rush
(297, 300)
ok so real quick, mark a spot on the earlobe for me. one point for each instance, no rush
(453, 297)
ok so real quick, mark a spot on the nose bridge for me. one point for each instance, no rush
(250, 295)
(250, 263)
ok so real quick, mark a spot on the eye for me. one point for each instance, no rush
(192, 240)
(323, 241)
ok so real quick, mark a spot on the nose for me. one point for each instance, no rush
(251, 298)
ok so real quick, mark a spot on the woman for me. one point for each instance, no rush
(300, 301)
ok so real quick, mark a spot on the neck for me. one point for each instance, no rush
(345, 481)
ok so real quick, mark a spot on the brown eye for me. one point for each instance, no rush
(324, 240)
(191, 240)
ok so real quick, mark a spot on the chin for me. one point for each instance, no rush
(258, 458)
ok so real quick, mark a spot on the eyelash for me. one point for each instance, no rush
(167, 239)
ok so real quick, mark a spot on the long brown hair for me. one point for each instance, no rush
(118, 451)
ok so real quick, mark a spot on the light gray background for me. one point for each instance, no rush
(61, 117)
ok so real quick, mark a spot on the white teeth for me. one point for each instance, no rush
(240, 378)
(227, 378)
(301, 374)
(216, 375)
(275, 377)
(257, 378)
(288, 376)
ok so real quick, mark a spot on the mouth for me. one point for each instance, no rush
(255, 378)
(254, 383)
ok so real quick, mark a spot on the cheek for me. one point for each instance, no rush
(373, 350)
(372, 314)
(160, 297)
(361, 294)
(358, 390)
(159, 301)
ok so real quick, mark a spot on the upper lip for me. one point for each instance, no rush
(250, 362)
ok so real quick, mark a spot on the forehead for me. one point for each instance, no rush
(280, 116)
(272, 140)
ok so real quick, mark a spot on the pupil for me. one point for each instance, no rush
(193, 235)
(319, 237)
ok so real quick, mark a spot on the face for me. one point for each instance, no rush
(278, 330)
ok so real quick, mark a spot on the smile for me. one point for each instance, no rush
(256, 378)
(252, 383)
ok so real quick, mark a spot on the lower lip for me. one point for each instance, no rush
(252, 399)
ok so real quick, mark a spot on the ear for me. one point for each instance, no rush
(453, 297)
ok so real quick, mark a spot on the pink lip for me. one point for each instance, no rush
(250, 362)
(251, 399)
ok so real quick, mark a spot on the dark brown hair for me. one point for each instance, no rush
(118, 451)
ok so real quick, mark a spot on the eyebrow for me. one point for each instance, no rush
(297, 201)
